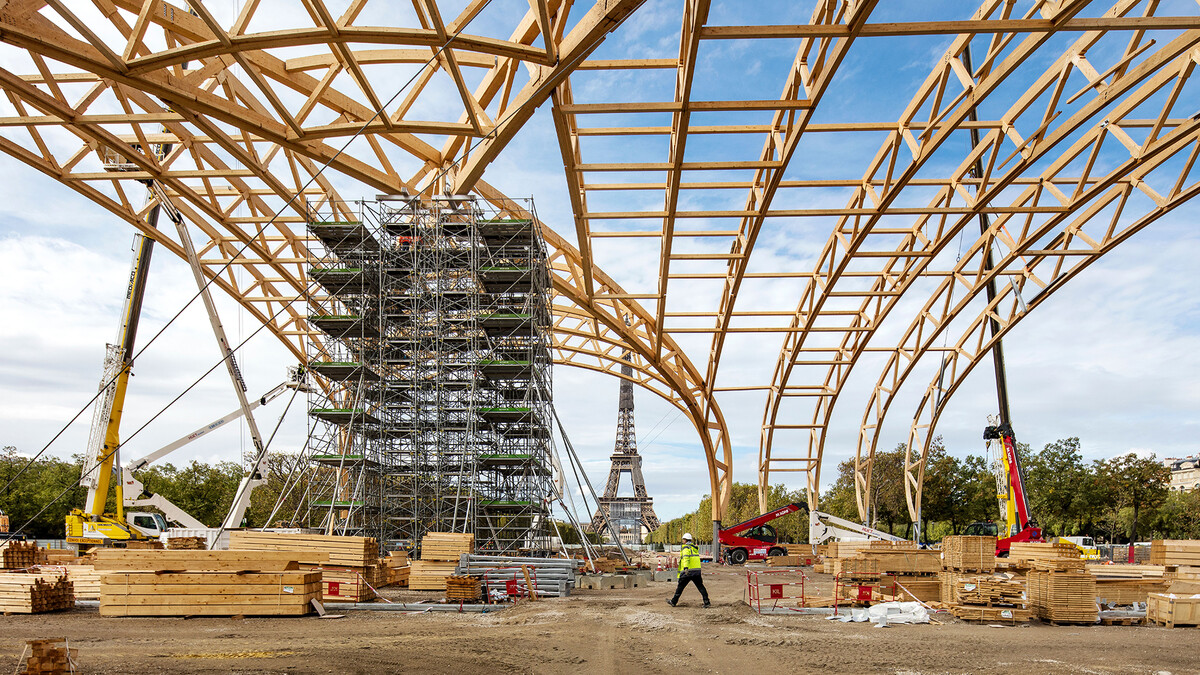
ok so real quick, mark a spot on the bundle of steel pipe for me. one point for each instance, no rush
(550, 576)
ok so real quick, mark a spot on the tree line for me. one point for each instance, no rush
(1116, 500)
(41, 495)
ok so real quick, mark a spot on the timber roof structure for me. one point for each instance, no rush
(1039, 136)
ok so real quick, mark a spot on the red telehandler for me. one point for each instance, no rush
(754, 539)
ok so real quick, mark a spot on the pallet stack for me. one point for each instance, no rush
(462, 588)
(47, 659)
(19, 555)
(349, 565)
(784, 561)
(30, 594)
(964, 557)
(396, 567)
(439, 556)
(1046, 556)
(204, 583)
(990, 599)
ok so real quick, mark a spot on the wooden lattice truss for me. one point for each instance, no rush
(1068, 124)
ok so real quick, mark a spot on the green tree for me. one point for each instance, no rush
(40, 498)
(1134, 483)
(1054, 478)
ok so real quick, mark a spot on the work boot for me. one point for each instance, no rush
(671, 601)
(707, 604)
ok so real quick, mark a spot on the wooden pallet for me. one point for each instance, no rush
(1010, 615)
(287, 593)
(118, 560)
(337, 550)
(1122, 621)
(969, 553)
(446, 546)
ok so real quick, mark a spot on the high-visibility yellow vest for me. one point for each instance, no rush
(689, 558)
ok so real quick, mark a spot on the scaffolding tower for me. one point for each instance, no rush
(437, 356)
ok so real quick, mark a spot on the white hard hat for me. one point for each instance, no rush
(687, 536)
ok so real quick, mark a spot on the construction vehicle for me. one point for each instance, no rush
(93, 524)
(1010, 491)
(754, 539)
(1086, 545)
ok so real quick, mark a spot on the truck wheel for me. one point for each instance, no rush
(777, 552)
(737, 556)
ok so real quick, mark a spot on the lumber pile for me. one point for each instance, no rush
(878, 560)
(125, 560)
(440, 552)
(1063, 596)
(84, 578)
(334, 550)
(206, 593)
(800, 550)
(19, 555)
(919, 589)
(462, 588)
(847, 549)
(446, 545)
(989, 591)
(30, 594)
(398, 576)
(969, 553)
(56, 556)
(350, 566)
(1045, 556)
(429, 575)
(47, 659)
(1126, 584)
(784, 561)
(988, 598)
(1180, 552)
(187, 544)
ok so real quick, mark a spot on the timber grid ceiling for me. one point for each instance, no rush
(1070, 125)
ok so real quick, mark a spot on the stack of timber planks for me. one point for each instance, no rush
(462, 588)
(1046, 556)
(30, 594)
(84, 578)
(350, 566)
(204, 583)
(1063, 596)
(990, 598)
(187, 544)
(47, 659)
(973, 553)
(20, 555)
(397, 568)
(1181, 557)
(204, 593)
(784, 561)
(964, 557)
(1126, 584)
(439, 556)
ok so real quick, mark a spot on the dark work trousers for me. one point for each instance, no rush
(694, 577)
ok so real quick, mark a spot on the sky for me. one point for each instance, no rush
(1112, 358)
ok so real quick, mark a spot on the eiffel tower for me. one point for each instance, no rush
(629, 514)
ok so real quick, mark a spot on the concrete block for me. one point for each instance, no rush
(643, 578)
(666, 576)
(623, 581)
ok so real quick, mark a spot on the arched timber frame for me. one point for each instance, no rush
(850, 250)
(253, 104)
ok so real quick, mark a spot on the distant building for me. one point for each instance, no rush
(1185, 473)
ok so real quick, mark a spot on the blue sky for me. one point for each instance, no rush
(1112, 358)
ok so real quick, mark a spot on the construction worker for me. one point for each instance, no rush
(689, 571)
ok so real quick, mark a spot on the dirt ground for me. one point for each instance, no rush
(628, 631)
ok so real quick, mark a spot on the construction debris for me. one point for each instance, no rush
(30, 594)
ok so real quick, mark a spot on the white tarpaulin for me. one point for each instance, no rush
(886, 613)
